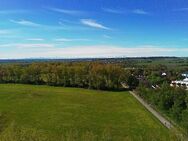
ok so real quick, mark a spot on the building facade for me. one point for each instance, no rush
(181, 83)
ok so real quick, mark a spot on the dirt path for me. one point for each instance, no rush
(164, 121)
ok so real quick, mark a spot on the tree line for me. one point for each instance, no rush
(93, 75)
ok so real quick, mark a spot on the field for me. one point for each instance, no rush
(57, 113)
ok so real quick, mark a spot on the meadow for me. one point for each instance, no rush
(37, 113)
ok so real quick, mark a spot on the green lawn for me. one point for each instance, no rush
(57, 112)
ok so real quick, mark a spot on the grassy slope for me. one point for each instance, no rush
(57, 110)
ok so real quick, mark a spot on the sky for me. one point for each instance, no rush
(93, 28)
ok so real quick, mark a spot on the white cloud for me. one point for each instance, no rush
(118, 11)
(27, 46)
(39, 46)
(181, 9)
(63, 39)
(65, 21)
(140, 12)
(66, 11)
(93, 23)
(107, 36)
(5, 31)
(52, 51)
(71, 26)
(70, 39)
(35, 39)
(26, 23)
(114, 11)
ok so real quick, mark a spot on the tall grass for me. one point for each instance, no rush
(14, 133)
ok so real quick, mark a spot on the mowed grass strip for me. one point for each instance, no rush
(56, 110)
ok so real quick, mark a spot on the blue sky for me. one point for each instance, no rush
(97, 28)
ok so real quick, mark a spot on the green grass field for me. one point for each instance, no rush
(82, 114)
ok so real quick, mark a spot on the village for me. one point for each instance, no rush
(181, 83)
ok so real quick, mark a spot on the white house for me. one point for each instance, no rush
(185, 74)
(181, 83)
(164, 74)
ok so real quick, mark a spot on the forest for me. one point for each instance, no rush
(84, 75)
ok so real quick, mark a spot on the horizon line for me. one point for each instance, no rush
(77, 58)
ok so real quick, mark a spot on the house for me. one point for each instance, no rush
(185, 74)
(164, 74)
(181, 83)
